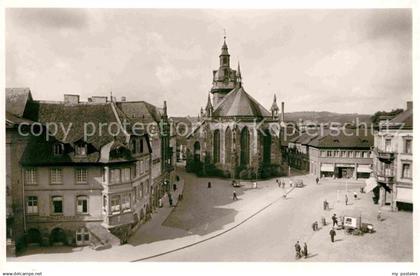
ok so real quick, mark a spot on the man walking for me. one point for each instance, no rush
(317, 180)
(278, 183)
(346, 199)
(209, 185)
(297, 249)
(305, 250)
(334, 220)
(235, 197)
(332, 234)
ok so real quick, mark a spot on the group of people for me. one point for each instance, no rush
(281, 183)
(301, 252)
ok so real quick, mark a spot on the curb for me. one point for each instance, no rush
(209, 238)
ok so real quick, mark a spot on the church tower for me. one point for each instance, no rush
(224, 79)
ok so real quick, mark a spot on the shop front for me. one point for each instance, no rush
(327, 170)
(344, 170)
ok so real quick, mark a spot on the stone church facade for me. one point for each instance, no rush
(235, 134)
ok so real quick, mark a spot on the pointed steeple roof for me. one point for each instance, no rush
(225, 51)
(239, 76)
(274, 106)
(209, 105)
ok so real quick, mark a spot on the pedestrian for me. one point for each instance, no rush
(174, 187)
(160, 203)
(170, 200)
(235, 197)
(305, 250)
(291, 183)
(317, 180)
(315, 226)
(325, 204)
(297, 249)
(355, 195)
(334, 220)
(209, 185)
(332, 234)
(346, 199)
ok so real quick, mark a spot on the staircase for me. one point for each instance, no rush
(101, 237)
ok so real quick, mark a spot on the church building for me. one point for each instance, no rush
(236, 135)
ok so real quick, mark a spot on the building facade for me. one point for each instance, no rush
(393, 161)
(235, 135)
(344, 154)
(86, 181)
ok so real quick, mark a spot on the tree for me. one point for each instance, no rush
(376, 117)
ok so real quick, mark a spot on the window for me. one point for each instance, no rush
(146, 165)
(81, 150)
(82, 236)
(82, 204)
(58, 149)
(81, 175)
(351, 154)
(56, 176)
(406, 170)
(134, 148)
(115, 176)
(141, 145)
(115, 204)
(30, 176)
(125, 174)
(104, 203)
(388, 145)
(329, 153)
(323, 153)
(57, 204)
(141, 191)
(408, 146)
(343, 153)
(365, 154)
(136, 188)
(336, 153)
(141, 167)
(358, 154)
(125, 202)
(32, 205)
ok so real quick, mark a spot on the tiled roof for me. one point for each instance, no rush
(79, 117)
(239, 103)
(404, 119)
(141, 111)
(350, 138)
(17, 99)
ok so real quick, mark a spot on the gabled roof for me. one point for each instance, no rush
(17, 99)
(404, 119)
(141, 111)
(239, 103)
(77, 118)
(350, 138)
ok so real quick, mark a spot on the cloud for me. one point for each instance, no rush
(50, 18)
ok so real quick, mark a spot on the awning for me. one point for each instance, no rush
(327, 168)
(405, 195)
(370, 184)
(364, 169)
(344, 165)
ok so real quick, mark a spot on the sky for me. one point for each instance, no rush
(346, 61)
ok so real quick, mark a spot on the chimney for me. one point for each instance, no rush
(282, 111)
(123, 99)
(99, 99)
(71, 99)
(409, 105)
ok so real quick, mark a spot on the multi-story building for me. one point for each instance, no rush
(83, 175)
(155, 121)
(393, 160)
(341, 154)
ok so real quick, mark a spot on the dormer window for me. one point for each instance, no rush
(80, 150)
(58, 149)
(134, 148)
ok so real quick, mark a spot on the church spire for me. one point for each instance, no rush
(274, 107)
(224, 55)
(209, 107)
(239, 76)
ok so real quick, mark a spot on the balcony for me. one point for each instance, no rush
(384, 155)
(385, 176)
